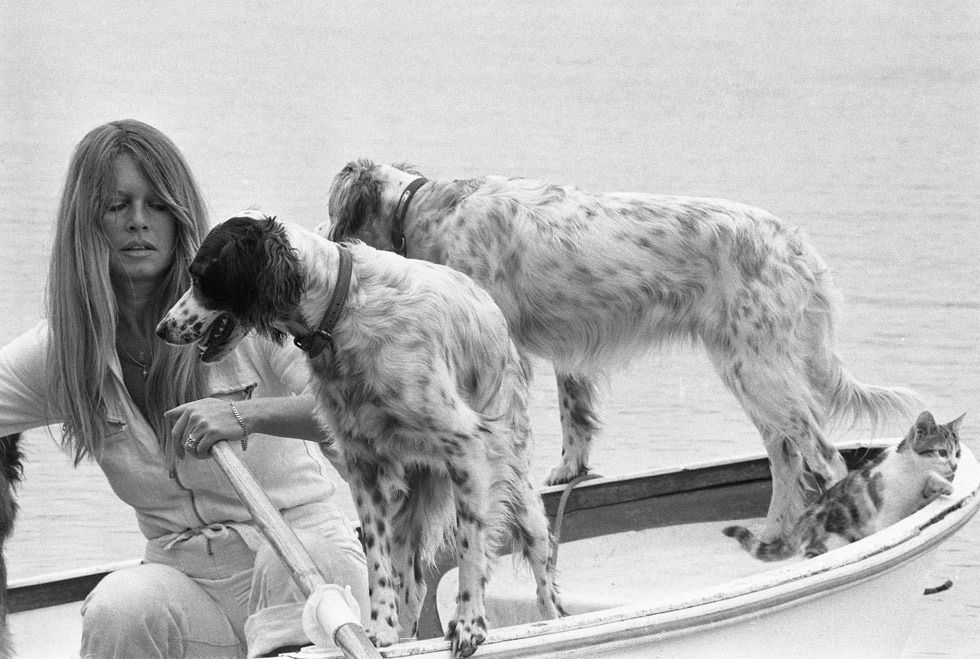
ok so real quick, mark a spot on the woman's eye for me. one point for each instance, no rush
(117, 206)
(159, 206)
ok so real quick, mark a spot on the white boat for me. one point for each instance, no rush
(645, 572)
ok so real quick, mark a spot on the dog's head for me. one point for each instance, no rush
(243, 276)
(363, 198)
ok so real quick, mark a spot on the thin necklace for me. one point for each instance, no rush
(143, 362)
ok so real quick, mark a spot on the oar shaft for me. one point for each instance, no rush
(268, 520)
(355, 643)
(350, 638)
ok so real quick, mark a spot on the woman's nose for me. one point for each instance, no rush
(138, 218)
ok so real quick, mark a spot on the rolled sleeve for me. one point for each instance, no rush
(24, 376)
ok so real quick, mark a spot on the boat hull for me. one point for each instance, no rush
(854, 601)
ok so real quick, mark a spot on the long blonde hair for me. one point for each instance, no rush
(82, 308)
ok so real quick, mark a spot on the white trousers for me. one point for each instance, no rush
(215, 594)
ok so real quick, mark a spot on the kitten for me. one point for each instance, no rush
(897, 483)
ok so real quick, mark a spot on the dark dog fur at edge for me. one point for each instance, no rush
(421, 389)
(11, 472)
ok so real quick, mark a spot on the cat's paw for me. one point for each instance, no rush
(937, 486)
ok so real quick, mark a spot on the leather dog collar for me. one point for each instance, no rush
(401, 209)
(314, 343)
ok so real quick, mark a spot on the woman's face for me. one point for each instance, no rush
(140, 228)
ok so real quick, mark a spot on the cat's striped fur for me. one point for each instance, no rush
(899, 482)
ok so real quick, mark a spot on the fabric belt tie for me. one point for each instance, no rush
(248, 533)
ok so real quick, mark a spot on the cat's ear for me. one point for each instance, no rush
(925, 424)
(954, 425)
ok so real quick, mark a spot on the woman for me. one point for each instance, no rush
(130, 220)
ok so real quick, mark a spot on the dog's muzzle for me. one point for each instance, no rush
(214, 341)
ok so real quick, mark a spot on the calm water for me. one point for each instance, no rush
(856, 120)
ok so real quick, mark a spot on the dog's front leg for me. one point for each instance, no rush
(367, 486)
(579, 423)
(469, 627)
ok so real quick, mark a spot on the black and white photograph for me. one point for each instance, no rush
(345, 330)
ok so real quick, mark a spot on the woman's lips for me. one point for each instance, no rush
(137, 247)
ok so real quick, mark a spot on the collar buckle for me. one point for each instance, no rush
(313, 344)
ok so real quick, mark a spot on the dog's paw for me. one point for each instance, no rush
(381, 634)
(550, 606)
(465, 636)
(565, 473)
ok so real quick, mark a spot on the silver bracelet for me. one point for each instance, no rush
(241, 422)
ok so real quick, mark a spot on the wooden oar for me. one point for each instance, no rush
(350, 637)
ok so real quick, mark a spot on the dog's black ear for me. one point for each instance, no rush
(220, 271)
(237, 273)
(277, 281)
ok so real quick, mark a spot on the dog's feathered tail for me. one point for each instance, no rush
(847, 401)
(851, 401)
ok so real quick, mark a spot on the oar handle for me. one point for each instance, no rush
(350, 637)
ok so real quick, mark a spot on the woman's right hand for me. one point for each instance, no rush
(197, 425)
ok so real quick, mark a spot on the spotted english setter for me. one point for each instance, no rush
(589, 281)
(419, 384)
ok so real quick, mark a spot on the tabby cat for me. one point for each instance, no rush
(897, 483)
